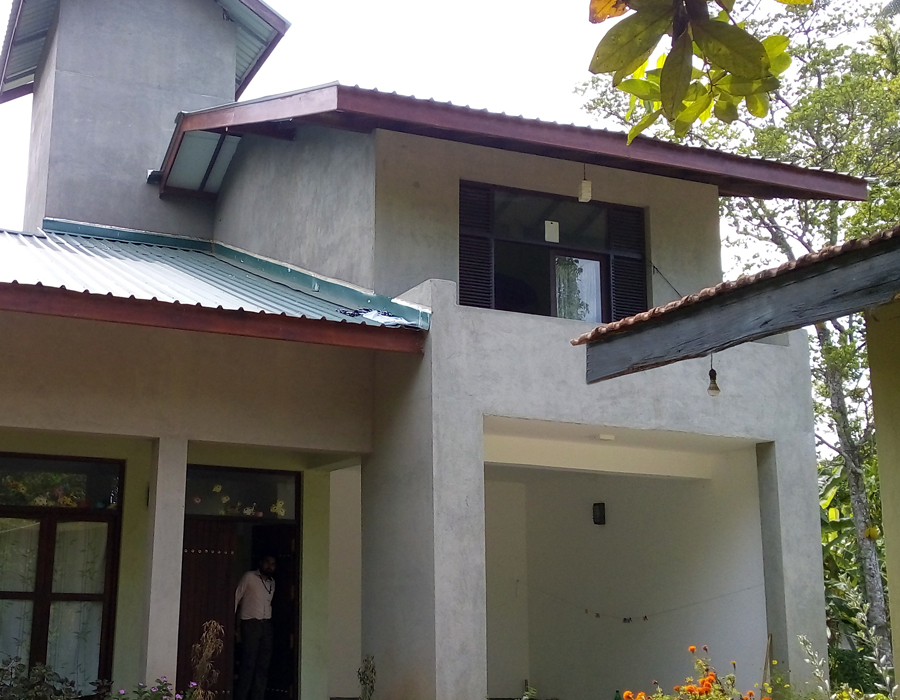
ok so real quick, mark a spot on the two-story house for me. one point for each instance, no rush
(333, 325)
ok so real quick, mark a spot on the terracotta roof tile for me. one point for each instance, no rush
(731, 285)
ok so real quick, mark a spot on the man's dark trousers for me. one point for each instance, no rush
(256, 650)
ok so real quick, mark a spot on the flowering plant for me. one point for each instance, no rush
(160, 690)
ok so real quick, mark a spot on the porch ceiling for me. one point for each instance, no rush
(191, 284)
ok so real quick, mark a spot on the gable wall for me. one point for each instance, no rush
(308, 202)
(417, 210)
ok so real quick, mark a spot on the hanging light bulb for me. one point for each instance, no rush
(584, 194)
(713, 388)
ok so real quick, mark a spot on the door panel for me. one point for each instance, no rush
(280, 540)
(207, 593)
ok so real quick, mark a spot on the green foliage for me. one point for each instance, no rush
(366, 675)
(733, 65)
(849, 667)
(17, 682)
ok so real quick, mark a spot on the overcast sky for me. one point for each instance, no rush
(520, 57)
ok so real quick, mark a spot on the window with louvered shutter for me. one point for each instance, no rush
(628, 263)
(476, 271)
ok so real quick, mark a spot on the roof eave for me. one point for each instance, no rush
(274, 20)
(15, 13)
(339, 106)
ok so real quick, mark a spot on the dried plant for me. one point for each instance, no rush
(366, 675)
(202, 655)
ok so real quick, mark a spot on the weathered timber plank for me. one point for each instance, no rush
(830, 289)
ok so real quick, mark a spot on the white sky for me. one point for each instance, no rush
(520, 57)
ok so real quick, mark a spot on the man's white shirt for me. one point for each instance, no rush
(254, 596)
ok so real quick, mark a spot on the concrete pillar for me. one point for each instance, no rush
(792, 554)
(165, 530)
(314, 587)
(883, 336)
(424, 607)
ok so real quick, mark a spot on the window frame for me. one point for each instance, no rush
(604, 254)
(42, 595)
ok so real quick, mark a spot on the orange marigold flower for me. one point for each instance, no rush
(677, 688)
(689, 688)
(627, 695)
(692, 649)
(750, 693)
(641, 696)
(766, 698)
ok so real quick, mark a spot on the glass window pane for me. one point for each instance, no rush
(15, 629)
(578, 289)
(236, 493)
(58, 483)
(18, 553)
(80, 558)
(73, 648)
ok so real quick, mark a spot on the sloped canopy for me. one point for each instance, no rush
(84, 271)
(204, 141)
(259, 29)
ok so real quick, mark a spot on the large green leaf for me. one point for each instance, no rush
(780, 63)
(676, 75)
(758, 105)
(643, 89)
(775, 45)
(731, 48)
(631, 38)
(726, 111)
(741, 87)
(691, 113)
(648, 121)
(632, 66)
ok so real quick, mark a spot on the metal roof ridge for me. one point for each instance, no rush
(127, 235)
(337, 291)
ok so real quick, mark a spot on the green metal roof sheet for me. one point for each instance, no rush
(192, 271)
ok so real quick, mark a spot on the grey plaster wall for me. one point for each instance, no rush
(310, 202)
(122, 70)
(485, 362)
(112, 379)
(417, 210)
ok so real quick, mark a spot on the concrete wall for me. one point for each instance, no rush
(484, 362)
(310, 202)
(417, 210)
(344, 584)
(122, 70)
(883, 339)
(685, 553)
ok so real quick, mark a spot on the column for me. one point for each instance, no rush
(165, 531)
(792, 553)
(314, 587)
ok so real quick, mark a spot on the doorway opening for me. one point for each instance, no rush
(223, 538)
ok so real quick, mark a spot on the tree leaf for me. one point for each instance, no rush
(725, 111)
(648, 121)
(758, 105)
(634, 36)
(676, 75)
(781, 63)
(741, 87)
(727, 5)
(796, 2)
(642, 89)
(601, 10)
(690, 113)
(775, 45)
(731, 48)
(632, 67)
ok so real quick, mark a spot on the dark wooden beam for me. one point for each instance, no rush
(831, 288)
(51, 301)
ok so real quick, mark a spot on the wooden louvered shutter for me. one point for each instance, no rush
(476, 250)
(628, 262)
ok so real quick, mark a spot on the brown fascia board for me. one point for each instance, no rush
(53, 301)
(353, 108)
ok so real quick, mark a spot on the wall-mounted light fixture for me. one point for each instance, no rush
(599, 514)
(584, 193)
(713, 388)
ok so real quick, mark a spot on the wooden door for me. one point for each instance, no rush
(280, 540)
(207, 593)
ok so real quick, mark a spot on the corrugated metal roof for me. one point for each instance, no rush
(185, 271)
(259, 28)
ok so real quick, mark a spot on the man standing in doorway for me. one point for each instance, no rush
(254, 596)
